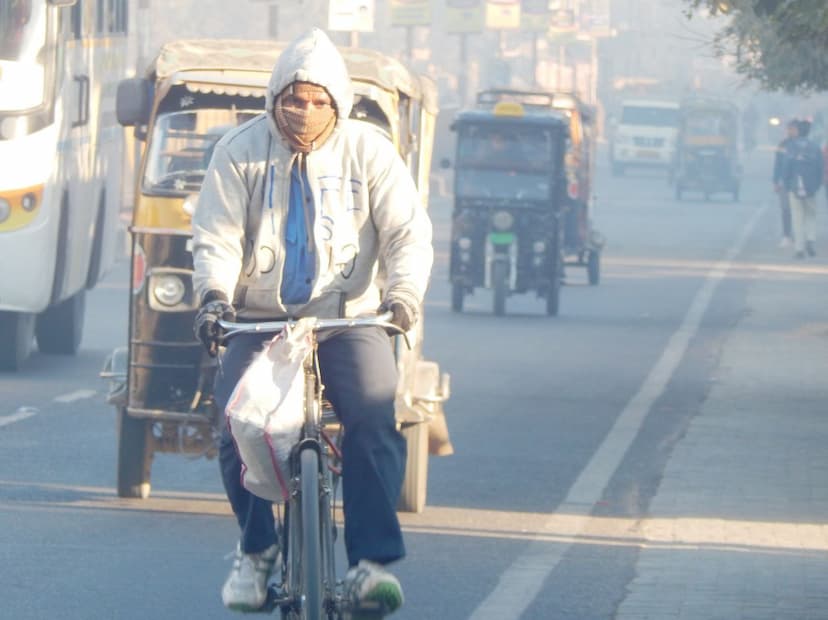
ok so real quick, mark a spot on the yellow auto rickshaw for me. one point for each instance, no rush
(161, 382)
(581, 243)
(707, 149)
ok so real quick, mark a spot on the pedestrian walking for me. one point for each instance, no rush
(779, 183)
(804, 168)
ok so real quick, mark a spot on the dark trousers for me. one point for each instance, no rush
(360, 379)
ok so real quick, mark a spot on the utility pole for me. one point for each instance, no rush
(534, 80)
(409, 45)
(142, 26)
(462, 85)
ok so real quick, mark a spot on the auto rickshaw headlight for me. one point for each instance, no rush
(189, 204)
(29, 202)
(502, 220)
(169, 290)
(5, 210)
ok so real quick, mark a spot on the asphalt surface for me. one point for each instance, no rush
(654, 452)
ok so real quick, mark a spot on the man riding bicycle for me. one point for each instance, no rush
(304, 212)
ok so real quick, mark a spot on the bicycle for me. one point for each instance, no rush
(307, 587)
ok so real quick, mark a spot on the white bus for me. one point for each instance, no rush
(61, 163)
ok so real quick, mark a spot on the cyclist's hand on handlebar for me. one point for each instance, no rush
(404, 313)
(214, 306)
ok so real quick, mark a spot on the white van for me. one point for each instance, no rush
(644, 134)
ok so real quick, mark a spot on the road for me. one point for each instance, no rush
(654, 452)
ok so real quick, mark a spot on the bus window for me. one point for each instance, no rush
(100, 17)
(22, 41)
(77, 19)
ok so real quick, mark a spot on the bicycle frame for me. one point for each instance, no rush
(309, 589)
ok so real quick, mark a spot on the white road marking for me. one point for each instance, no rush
(521, 582)
(17, 416)
(76, 395)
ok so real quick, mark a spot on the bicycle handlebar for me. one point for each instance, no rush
(232, 328)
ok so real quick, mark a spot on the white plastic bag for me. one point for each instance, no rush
(265, 412)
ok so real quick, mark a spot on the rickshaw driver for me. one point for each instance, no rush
(328, 203)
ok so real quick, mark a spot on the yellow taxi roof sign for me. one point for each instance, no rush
(508, 108)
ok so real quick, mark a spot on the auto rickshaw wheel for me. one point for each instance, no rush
(500, 276)
(16, 333)
(457, 294)
(594, 267)
(553, 299)
(59, 329)
(553, 295)
(134, 455)
(415, 483)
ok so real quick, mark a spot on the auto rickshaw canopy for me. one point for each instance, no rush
(242, 63)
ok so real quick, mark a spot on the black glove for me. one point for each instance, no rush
(214, 306)
(405, 312)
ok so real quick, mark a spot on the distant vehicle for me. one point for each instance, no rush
(644, 135)
(61, 163)
(509, 199)
(707, 155)
(581, 243)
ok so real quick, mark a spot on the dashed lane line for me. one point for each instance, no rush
(76, 395)
(24, 413)
(21, 414)
(521, 582)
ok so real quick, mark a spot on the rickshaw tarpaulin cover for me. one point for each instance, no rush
(266, 411)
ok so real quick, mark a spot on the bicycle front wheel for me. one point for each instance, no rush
(311, 552)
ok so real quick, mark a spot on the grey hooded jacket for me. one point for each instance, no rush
(371, 237)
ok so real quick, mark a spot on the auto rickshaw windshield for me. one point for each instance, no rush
(510, 148)
(707, 125)
(182, 144)
(650, 116)
(504, 162)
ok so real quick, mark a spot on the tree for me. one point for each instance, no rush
(782, 44)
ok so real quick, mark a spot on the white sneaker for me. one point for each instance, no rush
(371, 591)
(246, 586)
(785, 242)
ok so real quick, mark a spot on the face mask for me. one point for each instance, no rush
(305, 115)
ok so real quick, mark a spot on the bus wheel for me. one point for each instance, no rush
(500, 284)
(415, 483)
(59, 329)
(16, 333)
(134, 455)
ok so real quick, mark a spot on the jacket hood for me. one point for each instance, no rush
(312, 57)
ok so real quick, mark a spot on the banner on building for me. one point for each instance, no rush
(534, 15)
(464, 16)
(351, 15)
(562, 21)
(503, 14)
(410, 12)
(597, 21)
